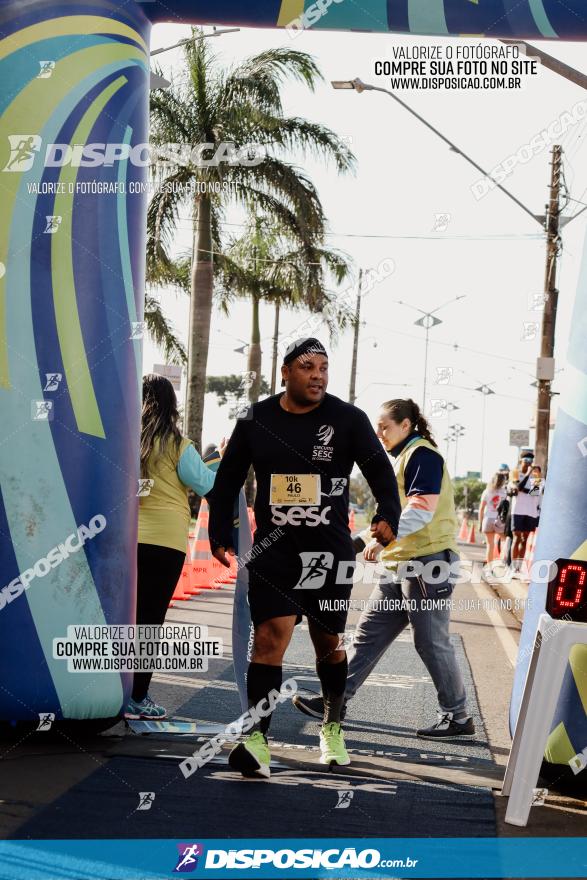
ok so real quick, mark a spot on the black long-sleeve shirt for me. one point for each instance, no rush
(326, 441)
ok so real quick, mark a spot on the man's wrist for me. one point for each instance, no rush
(380, 517)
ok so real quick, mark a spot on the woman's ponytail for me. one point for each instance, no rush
(423, 429)
(400, 409)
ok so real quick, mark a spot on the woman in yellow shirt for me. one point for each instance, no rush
(170, 466)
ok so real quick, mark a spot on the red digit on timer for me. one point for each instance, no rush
(563, 585)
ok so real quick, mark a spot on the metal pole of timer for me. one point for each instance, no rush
(554, 640)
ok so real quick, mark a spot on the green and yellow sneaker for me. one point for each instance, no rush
(252, 757)
(332, 747)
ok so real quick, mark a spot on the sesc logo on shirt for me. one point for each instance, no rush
(324, 451)
(297, 516)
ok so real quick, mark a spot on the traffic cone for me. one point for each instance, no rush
(352, 520)
(472, 539)
(462, 536)
(181, 591)
(206, 572)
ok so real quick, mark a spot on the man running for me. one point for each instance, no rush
(301, 443)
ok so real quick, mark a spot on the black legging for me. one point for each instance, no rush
(159, 569)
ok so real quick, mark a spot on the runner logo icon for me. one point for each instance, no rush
(337, 487)
(46, 719)
(344, 799)
(315, 567)
(188, 857)
(23, 149)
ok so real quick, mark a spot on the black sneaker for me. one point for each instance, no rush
(313, 706)
(447, 728)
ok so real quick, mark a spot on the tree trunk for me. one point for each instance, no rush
(275, 341)
(254, 366)
(254, 359)
(200, 318)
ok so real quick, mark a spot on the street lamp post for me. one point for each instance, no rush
(458, 431)
(485, 390)
(359, 86)
(201, 36)
(549, 222)
(450, 408)
(427, 321)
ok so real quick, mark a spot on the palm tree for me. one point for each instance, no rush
(266, 266)
(162, 332)
(240, 106)
(162, 273)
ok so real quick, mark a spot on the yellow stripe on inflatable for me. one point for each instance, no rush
(578, 664)
(578, 657)
(67, 26)
(71, 342)
(290, 10)
(559, 749)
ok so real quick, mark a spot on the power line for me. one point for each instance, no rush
(453, 345)
(529, 236)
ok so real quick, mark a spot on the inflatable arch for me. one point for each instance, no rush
(71, 299)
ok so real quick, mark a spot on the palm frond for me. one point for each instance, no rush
(162, 333)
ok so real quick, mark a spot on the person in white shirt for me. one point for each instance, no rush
(525, 502)
(489, 523)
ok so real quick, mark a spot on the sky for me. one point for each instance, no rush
(407, 182)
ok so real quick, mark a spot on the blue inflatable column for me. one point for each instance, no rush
(563, 534)
(73, 114)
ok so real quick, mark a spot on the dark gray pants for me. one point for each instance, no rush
(378, 627)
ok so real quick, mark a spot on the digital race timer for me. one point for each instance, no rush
(567, 591)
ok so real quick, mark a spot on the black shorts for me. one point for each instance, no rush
(523, 523)
(327, 608)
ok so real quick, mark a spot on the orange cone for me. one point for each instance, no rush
(472, 539)
(181, 591)
(352, 520)
(206, 572)
(462, 536)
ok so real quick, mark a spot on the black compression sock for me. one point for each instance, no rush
(261, 679)
(333, 678)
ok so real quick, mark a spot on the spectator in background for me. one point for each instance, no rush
(538, 489)
(170, 466)
(524, 506)
(503, 514)
(489, 523)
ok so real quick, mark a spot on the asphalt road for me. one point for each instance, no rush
(63, 786)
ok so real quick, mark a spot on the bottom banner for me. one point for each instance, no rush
(552, 857)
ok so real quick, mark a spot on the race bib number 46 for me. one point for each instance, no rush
(297, 489)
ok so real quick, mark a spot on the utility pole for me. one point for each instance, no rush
(352, 389)
(275, 342)
(550, 306)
